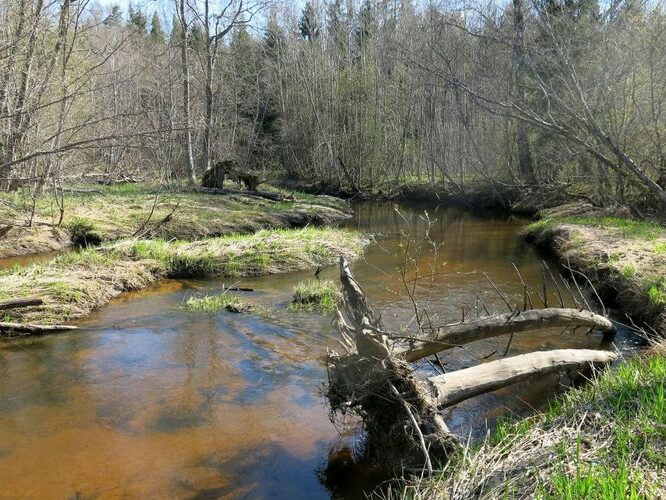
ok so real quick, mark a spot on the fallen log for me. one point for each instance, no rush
(401, 410)
(452, 388)
(450, 336)
(17, 303)
(19, 329)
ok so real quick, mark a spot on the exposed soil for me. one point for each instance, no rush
(626, 271)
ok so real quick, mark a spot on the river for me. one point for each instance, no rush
(149, 400)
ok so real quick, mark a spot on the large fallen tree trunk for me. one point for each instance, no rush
(17, 303)
(19, 329)
(450, 336)
(401, 410)
(452, 388)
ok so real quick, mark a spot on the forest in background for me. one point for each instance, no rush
(361, 96)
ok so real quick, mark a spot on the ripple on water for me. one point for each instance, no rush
(150, 400)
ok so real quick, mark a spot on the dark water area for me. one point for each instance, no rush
(150, 400)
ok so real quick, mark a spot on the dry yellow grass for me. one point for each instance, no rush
(105, 214)
(625, 260)
(76, 283)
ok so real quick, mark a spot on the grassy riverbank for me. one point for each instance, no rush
(99, 214)
(625, 259)
(76, 283)
(604, 440)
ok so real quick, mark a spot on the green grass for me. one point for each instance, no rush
(540, 225)
(632, 401)
(75, 283)
(83, 232)
(628, 271)
(316, 296)
(601, 441)
(265, 252)
(101, 214)
(594, 482)
(628, 228)
(660, 248)
(656, 290)
(226, 301)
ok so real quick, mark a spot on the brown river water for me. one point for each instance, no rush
(148, 400)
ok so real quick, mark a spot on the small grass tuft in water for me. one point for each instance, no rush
(225, 301)
(316, 296)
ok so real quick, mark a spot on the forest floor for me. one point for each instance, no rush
(97, 214)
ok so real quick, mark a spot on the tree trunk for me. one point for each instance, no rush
(452, 388)
(214, 177)
(185, 69)
(15, 131)
(211, 45)
(525, 161)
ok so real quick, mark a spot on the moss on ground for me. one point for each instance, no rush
(75, 283)
(605, 440)
(316, 296)
(101, 214)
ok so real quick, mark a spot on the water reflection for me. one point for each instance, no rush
(150, 400)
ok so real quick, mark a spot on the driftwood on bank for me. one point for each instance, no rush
(215, 176)
(17, 303)
(20, 329)
(402, 410)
